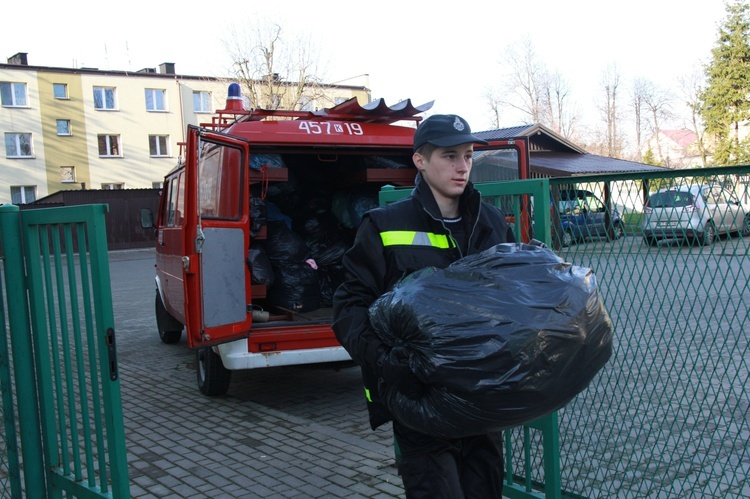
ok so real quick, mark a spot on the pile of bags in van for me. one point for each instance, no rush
(309, 228)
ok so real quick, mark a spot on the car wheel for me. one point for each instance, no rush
(618, 230)
(650, 241)
(213, 377)
(709, 234)
(170, 329)
(746, 226)
(567, 239)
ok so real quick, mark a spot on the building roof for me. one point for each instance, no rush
(682, 137)
(552, 155)
(556, 164)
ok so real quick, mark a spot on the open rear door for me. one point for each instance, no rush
(217, 278)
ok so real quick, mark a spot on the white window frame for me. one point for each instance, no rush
(15, 142)
(64, 87)
(69, 131)
(155, 146)
(102, 92)
(152, 100)
(22, 190)
(72, 176)
(18, 95)
(201, 101)
(113, 186)
(108, 145)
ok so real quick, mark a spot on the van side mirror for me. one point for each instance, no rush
(147, 218)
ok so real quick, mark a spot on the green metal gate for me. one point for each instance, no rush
(63, 353)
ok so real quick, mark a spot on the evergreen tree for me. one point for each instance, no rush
(725, 102)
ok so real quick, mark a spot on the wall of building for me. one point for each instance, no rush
(26, 119)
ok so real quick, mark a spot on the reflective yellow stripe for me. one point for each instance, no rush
(414, 238)
(367, 394)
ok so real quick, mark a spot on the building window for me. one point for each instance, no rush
(109, 145)
(157, 185)
(63, 127)
(13, 94)
(18, 145)
(67, 174)
(113, 186)
(105, 98)
(305, 104)
(158, 145)
(22, 194)
(60, 90)
(339, 100)
(156, 100)
(202, 102)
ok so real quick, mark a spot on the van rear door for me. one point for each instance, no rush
(217, 277)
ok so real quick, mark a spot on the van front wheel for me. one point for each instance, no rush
(213, 377)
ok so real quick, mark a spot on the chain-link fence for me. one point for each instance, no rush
(668, 416)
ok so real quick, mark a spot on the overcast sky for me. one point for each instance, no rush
(411, 49)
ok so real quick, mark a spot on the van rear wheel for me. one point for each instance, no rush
(170, 329)
(213, 377)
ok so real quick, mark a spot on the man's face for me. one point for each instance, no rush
(447, 170)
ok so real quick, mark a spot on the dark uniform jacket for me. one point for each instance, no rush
(391, 243)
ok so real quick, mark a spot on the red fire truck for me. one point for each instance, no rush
(254, 220)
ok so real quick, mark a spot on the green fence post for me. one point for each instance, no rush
(20, 336)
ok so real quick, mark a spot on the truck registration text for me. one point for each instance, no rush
(327, 128)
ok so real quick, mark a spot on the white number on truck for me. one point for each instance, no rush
(326, 128)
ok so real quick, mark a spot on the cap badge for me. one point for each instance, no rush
(458, 124)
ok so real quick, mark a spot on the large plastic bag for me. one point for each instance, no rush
(500, 338)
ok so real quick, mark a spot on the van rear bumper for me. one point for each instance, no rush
(235, 356)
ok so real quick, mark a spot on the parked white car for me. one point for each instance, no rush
(699, 212)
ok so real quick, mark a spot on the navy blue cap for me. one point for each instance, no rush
(444, 130)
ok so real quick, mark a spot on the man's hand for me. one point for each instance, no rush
(393, 367)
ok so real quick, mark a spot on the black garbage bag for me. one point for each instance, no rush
(296, 287)
(283, 245)
(261, 270)
(258, 215)
(500, 338)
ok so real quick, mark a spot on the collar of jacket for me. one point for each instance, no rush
(468, 203)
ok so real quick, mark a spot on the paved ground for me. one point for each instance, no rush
(282, 432)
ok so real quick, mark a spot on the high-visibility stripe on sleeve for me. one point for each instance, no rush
(415, 238)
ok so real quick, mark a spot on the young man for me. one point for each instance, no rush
(443, 220)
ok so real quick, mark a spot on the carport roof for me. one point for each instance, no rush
(554, 156)
(560, 164)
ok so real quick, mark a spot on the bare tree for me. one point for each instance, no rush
(275, 71)
(559, 113)
(610, 114)
(658, 103)
(525, 85)
(691, 88)
(541, 96)
(638, 90)
(495, 103)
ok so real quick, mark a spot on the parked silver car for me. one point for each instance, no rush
(699, 212)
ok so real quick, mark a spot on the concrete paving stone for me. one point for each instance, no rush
(336, 491)
(169, 481)
(390, 488)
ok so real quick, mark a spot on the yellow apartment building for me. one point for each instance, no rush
(84, 128)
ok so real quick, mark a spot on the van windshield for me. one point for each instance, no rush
(669, 199)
